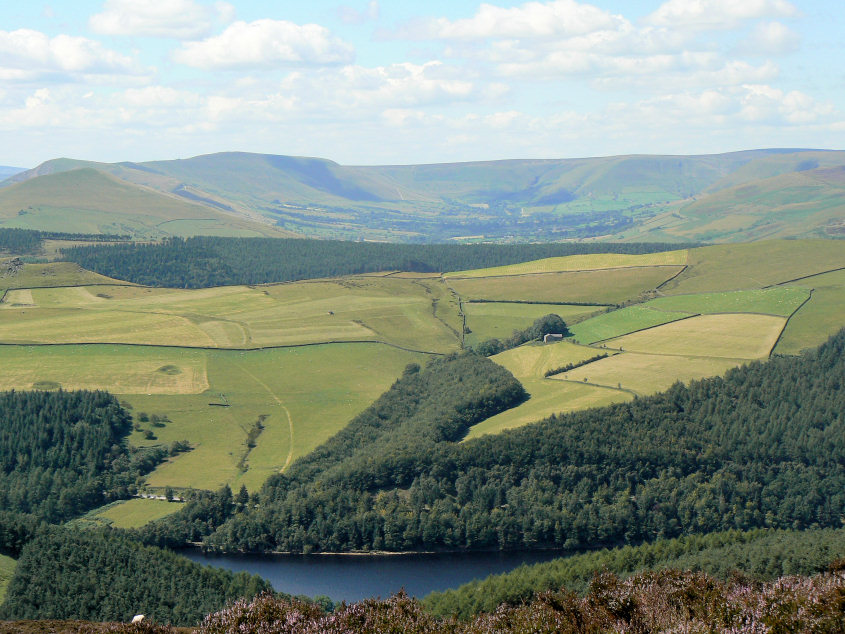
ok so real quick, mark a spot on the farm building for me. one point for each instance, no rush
(552, 337)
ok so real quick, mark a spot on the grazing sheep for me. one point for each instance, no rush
(137, 618)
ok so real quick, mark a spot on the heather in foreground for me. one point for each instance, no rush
(649, 602)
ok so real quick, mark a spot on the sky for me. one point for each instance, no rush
(390, 82)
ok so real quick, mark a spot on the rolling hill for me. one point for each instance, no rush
(92, 201)
(682, 198)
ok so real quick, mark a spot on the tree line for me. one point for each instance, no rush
(762, 446)
(30, 241)
(204, 261)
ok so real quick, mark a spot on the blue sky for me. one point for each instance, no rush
(411, 82)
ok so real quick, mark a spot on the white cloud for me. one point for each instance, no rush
(27, 55)
(351, 15)
(771, 38)
(718, 14)
(180, 19)
(558, 18)
(358, 91)
(266, 44)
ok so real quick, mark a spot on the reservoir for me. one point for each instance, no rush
(355, 577)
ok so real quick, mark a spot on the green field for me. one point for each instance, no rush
(51, 274)
(413, 314)
(301, 396)
(487, 320)
(778, 300)
(119, 369)
(621, 322)
(755, 265)
(648, 373)
(7, 569)
(590, 262)
(136, 512)
(731, 336)
(529, 363)
(819, 318)
(609, 286)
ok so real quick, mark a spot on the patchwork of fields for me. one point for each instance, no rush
(254, 377)
(413, 314)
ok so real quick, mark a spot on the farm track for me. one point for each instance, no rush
(281, 404)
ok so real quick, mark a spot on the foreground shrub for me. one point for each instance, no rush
(665, 601)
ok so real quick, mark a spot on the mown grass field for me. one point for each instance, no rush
(528, 364)
(588, 262)
(7, 569)
(609, 286)
(487, 320)
(731, 336)
(621, 322)
(648, 373)
(410, 313)
(778, 300)
(136, 512)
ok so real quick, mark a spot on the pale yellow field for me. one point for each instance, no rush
(16, 299)
(533, 360)
(120, 369)
(648, 373)
(136, 512)
(733, 336)
(604, 286)
(588, 262)
(528, 364)
(62, 325)
(548, 397)
(415, 314)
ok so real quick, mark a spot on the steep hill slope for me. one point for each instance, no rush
(806, 203)
(93, 201)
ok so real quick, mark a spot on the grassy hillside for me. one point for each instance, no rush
(91, 201)
(808, 203)
(681, 198)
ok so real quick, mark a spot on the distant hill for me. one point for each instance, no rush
(90, 200)
(7, 171)
(620, 197)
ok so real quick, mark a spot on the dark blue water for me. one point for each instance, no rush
(353, 577)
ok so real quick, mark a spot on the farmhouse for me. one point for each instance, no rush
(552, 337)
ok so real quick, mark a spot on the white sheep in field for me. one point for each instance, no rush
(137, 618)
